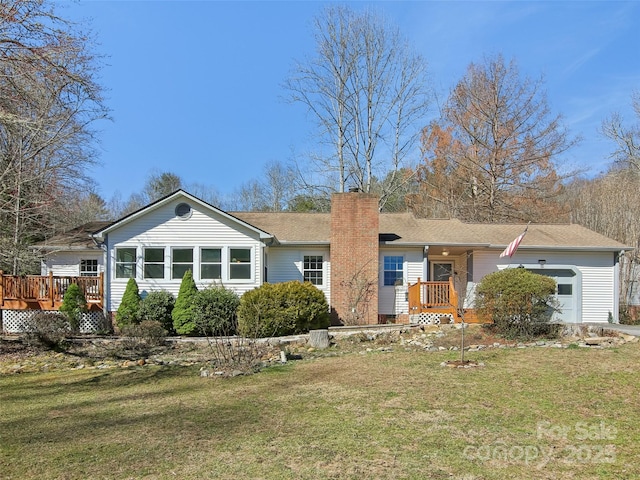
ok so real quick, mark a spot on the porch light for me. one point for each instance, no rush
(542, 261)
(445, 252)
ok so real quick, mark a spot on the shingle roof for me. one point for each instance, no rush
(74, 239)
(290, 227)
(315, 228)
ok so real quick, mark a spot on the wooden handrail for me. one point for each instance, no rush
(424, 295)
(48, 289)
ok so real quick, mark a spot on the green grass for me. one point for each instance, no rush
(377, 415)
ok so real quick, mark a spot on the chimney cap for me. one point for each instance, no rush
(354, 189)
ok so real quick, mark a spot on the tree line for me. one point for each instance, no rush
(493, 153)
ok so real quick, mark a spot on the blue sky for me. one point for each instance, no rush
(195, 88)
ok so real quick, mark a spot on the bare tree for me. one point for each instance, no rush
(367, 90)
(159, 185)
(492, 154)
(627, 139)
(49, 98)
(273, 191)
(609, 205)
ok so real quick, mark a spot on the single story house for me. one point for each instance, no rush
(372, 267)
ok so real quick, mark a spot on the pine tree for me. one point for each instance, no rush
(182, 314)
(128, 311)
(74, 304)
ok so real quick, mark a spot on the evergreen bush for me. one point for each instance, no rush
(281, 309)
(520, 303)
(182, 313)
(214, 311)
(74, 304)
(129, 309)
(157, 306)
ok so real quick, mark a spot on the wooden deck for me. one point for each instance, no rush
(36, 292)
(438, 297)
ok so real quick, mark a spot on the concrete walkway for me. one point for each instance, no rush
(628, 329)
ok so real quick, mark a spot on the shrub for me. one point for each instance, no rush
(182, 313)
(74, 304)
(519, 302)
(157, 306)
(214, 311)
(47, 329)
(146, 333)
(282, 309)
(129, 309)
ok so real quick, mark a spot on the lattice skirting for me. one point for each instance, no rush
(15, 321)
(431, 318)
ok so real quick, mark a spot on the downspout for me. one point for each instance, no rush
(616, 286)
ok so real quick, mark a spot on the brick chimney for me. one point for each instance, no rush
(355, 224)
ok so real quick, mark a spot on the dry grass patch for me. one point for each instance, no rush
(377, 415)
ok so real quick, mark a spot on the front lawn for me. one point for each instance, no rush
(533, 413)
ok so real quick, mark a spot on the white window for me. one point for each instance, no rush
(125, 263)
(182, 260)
(153, 262)
(211, 263)
(393, 270)
(89, 268)
(312, 269)
(239, 264)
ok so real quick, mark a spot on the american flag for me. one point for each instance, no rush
(513, 246)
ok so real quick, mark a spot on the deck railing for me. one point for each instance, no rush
(424, 296)
(47, 291)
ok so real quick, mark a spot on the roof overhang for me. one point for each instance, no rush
(99, 235)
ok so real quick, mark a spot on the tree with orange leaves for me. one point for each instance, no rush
(492, 155)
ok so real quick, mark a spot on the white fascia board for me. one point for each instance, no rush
(100, 234)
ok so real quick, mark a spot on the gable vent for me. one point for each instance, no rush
(183, 210)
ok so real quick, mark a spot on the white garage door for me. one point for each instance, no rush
(566, 293)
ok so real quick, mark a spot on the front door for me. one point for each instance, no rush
(441, 271)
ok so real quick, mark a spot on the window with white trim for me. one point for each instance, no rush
(211, 263)
(312, 269)
(153, 266)
(393, 270)
(89, 267)
(125, 263)
(239, 264)
(181, 261)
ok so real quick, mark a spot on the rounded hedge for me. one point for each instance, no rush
(519, 302)
(214, 311)
(277, 309)
(157, 306)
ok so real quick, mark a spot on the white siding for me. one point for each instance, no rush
(68, 263)
(161, 228)
(393, 300)
(597, 269)
(285, 264)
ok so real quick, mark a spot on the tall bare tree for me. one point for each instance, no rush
(273, 191)
(161, 184)
(49, 100)
(367, 90)
(610, 203)
(626, 138)
(492, 154)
